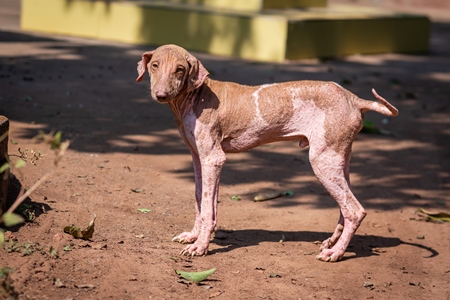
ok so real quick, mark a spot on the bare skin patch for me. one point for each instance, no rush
(275, 106)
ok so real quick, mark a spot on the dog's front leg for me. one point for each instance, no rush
(191, 236)
(210, 165)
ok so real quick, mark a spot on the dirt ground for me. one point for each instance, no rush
(126, 154)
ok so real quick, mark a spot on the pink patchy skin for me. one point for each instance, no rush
(215, 118)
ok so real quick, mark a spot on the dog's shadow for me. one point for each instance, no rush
(360, 245)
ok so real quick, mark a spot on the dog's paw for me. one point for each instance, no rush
(185, 238)
(330, 255)
(196, 249)
(326, 244)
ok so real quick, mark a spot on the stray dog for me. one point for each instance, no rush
(215, 118)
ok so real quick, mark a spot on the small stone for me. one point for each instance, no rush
(58, 283)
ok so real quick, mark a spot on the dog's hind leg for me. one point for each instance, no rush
(330, 242)
(332, 170)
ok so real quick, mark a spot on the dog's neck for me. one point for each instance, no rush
(183, 103)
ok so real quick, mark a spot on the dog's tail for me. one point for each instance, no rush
(382, 107)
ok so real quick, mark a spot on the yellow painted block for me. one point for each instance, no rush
(121, 22)
(331, 38)
(80, 18)
(274, 36)
(259, 38)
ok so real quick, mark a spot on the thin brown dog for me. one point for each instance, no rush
(215, 118)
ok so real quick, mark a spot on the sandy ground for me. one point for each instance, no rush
(126, 154)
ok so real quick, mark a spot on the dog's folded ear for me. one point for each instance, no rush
(142, 64)
(197, 73)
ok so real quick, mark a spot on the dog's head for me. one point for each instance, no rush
(172, 71)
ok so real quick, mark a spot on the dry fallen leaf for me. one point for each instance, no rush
(271, 195)
(216, 294)
(266, 196)
(100, 247)
(79, 233)
(435, 217)
(84, 286)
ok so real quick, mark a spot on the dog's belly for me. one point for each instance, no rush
(246, 141)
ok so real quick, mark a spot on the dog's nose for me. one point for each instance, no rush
(161, 95)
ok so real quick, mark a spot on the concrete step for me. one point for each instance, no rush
(268, 35)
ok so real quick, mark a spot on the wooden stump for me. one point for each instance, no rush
(4, 176)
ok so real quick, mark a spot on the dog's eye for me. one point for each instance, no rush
(154, 66)
(180, 70)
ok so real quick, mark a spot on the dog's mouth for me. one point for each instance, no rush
(162, 99)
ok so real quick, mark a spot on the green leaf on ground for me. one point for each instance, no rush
(196, 276)
(5, 271)
(288, 193)
(370, 127)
